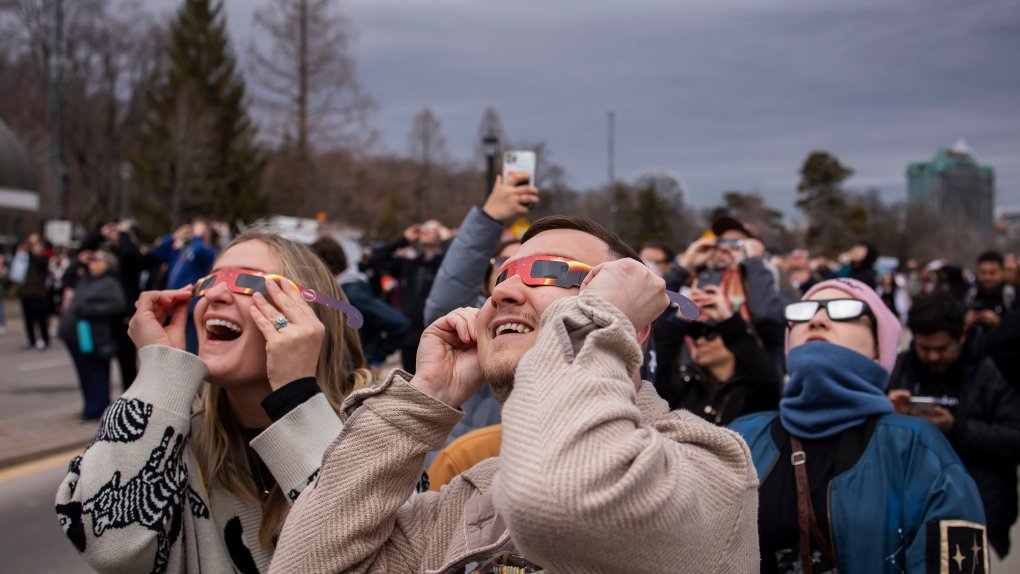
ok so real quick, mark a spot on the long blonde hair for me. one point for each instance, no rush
(220, 443)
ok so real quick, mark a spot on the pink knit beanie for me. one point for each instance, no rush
(887, 325)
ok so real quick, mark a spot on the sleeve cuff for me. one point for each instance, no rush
(289, 397)
(405, 407)
(293, 446)
(733, 327)
(168, 378)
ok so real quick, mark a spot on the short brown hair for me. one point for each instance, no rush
(617, 248)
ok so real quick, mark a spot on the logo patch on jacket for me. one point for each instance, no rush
(957, 547)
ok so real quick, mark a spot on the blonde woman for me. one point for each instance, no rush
(194, 469)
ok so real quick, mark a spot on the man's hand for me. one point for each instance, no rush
(632, 287)
(697, 254)
(988, 318)
(940, 417)
(753, 247)
(507, 201)
(446, 366)
(900, 401)
(152, 309)
(714, 303)
(412, 233)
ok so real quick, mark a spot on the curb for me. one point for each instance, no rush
(31, 437)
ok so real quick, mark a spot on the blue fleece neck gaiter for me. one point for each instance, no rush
(831, 389)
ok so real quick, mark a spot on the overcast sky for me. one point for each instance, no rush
(730, 94)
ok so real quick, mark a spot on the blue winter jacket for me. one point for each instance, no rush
(907, 485)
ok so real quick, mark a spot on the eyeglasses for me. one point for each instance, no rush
(837, 309)
(698, 330)
(248, 282)
(551, 270)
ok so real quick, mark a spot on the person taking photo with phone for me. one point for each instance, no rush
(727, 373)
(984, 424)
(733, 256)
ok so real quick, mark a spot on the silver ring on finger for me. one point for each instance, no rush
(280, 322)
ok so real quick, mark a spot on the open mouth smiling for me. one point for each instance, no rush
(218, 329)
(511, 327)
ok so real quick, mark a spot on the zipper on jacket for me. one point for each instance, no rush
(456, 566)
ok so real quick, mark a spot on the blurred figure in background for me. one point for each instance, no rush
(189, 254)
(385, 327)
(34, 306)
(991, 297)
(859, 263)
(728, 373)
(86, 327)
(980, 411)
(415, 274)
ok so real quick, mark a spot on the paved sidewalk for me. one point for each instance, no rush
(40, 400)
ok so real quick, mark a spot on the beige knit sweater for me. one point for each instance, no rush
(592, 477)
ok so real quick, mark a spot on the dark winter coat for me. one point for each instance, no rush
(755, 386)
(98, 300)
(986, 431)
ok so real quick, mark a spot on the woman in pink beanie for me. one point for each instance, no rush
(846, 485)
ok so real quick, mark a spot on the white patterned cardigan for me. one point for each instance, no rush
(135, 500)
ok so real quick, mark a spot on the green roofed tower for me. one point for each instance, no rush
(953, 184)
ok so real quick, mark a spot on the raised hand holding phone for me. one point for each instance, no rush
(508, 200)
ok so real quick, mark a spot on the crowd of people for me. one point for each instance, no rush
(555, 410)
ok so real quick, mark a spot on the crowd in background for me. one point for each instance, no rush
(963, 317)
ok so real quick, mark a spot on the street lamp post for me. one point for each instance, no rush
(491, 144)
(126, 171)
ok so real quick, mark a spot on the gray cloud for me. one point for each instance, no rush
(732, 95)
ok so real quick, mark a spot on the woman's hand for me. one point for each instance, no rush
(292, 351)
(151, 311)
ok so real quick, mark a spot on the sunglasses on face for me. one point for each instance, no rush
(550, 270)
(702, 330)
(249, 281)
(837, 309)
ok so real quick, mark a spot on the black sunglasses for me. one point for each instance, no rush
(699, 330)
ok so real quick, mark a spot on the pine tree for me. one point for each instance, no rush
(197, 154)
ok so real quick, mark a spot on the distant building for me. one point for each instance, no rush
(19, 197)
(953, 184)
(1008, 223)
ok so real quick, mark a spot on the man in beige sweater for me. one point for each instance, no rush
(595, 473)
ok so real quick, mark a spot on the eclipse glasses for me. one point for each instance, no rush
(837, 309)
(249, 282)
(544, 270)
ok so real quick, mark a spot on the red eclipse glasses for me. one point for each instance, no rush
(543, 270)
(249, 281)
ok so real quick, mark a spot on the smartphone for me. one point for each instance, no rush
(709, 277)
(928, 404)
(520, 162)
(922, 405)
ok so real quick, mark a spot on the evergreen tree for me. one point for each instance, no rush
(834, 221)
(197, 154)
